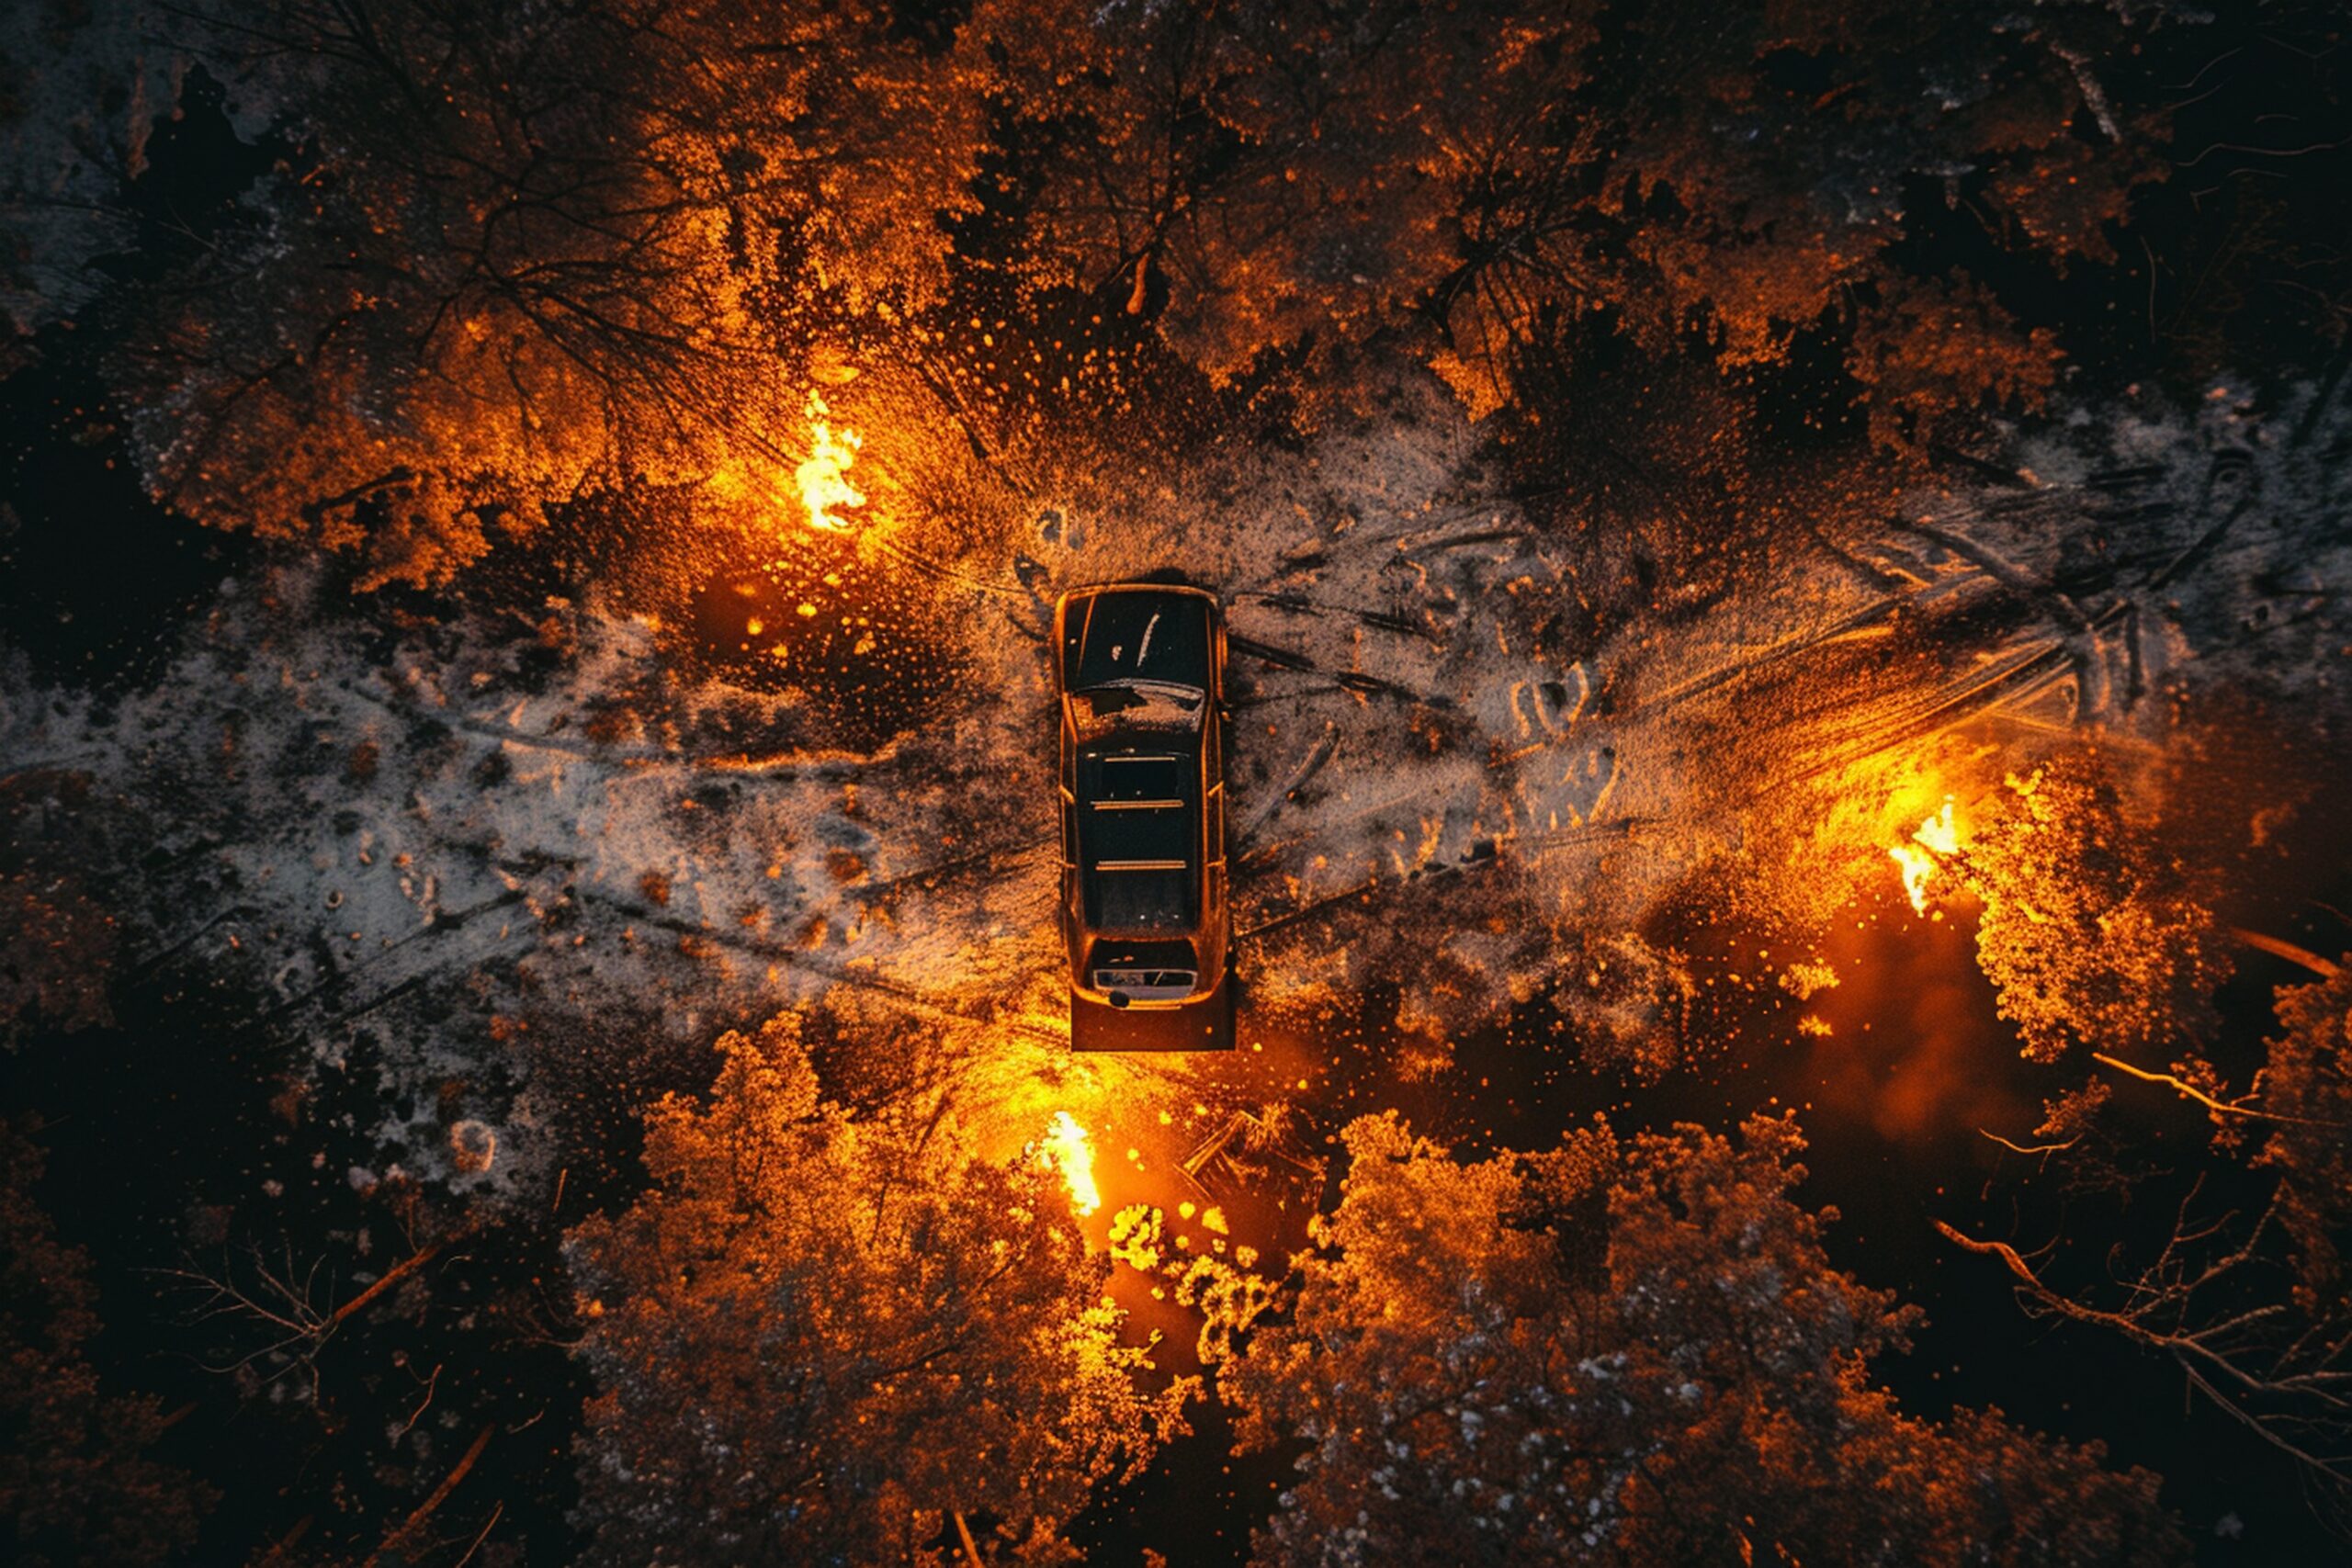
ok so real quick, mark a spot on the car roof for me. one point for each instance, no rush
(1135, 634)
(1139, 809)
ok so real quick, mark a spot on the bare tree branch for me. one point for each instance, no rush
(2292, 1393)
(2190, 1092)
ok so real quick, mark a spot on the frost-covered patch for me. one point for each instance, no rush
(437, 848)
(2209, 562)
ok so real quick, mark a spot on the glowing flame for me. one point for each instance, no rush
(1067, 1150)
(831, 452)
(1936, 837)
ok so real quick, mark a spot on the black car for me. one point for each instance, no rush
(1140, 680)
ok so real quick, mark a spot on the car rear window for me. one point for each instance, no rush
(1139, 898)
(1112, 954)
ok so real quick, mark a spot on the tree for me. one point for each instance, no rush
(1503, 173)
(1276, 172)
(56, 952)
(519, 251)
(77, 1483)
(2089, 931)
(2305, 1092)
(57, 944)
(1630, 1351)
(817, 1337)
(1752, 176)
(2256, 1316)
(508, 254)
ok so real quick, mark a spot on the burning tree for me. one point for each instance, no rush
(509, 253)
(1630, 1351)
(2090, 930)
(818, 1337)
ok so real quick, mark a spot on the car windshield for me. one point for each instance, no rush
(1138, 705)
(1136, 635)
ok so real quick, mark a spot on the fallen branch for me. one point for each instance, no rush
(284, 1300)
(410, 1525)
(392, 1276)
(280, 1551)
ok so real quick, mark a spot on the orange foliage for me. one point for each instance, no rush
(504, 270)
(1630, 1351)
(2089, 932)
(817, 1335)
(1932, 351)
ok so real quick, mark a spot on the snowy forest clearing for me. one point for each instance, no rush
(1782, 772)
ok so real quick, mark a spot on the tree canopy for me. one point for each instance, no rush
(494, 258)
(76, 1483)
(1631, 1350)
(2090, 930)
(816, 1337)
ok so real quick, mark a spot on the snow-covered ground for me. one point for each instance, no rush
(439, 838)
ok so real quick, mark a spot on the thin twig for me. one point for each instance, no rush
(431, 1383)
(486, 1528)
(2043, 1149)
